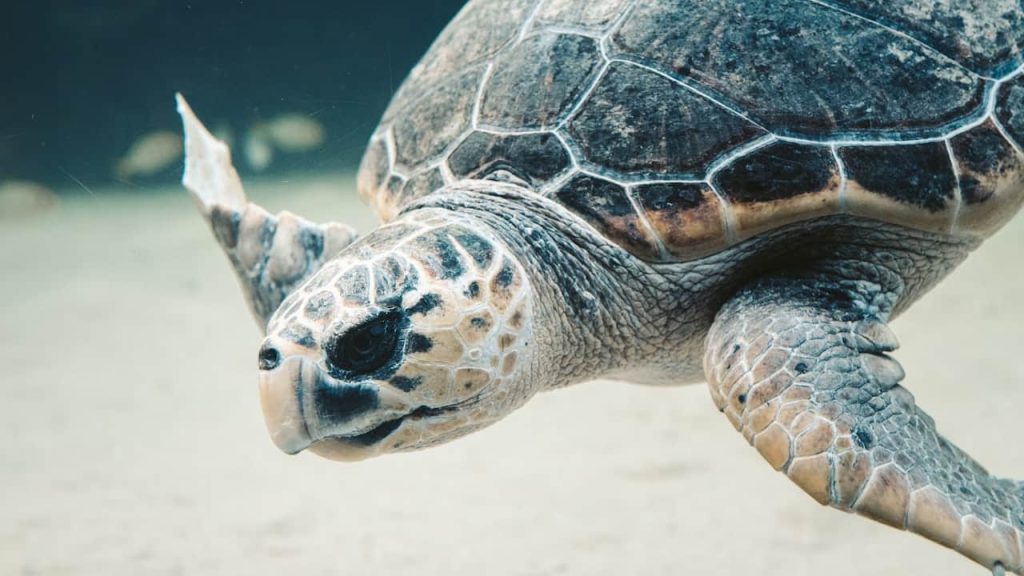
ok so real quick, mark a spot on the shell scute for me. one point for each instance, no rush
(639, 122)
(436, 120)
(779, 184)
(912, 183)
(534, 158)
(983, 34)
(478, 32)
(374, 169)
(800, 67)
(587, 14)
(686, 216)
(533, 83)
(1010, 108)
(991, 178)
(607, 207)
(421, 184)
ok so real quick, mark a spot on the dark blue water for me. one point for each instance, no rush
(81, 80)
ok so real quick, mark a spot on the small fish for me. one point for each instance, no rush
(149, 154)
(258, 150)
(293, 132)
(21, 197)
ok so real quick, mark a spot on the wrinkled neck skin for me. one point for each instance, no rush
(598, 311)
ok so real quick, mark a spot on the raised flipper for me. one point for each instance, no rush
(272, 254)
(800, 367)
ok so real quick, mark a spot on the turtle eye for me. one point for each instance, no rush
(367, 347)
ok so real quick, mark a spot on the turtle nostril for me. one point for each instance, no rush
(269, 357)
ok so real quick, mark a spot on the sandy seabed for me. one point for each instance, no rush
(134, 443)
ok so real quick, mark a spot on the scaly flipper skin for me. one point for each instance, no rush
(271, 254)
(799, 365)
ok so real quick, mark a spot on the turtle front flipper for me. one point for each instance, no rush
(800, 366)
(272, 254)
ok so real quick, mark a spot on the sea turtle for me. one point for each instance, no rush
(741, 192)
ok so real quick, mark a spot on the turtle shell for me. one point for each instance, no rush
(679, 127)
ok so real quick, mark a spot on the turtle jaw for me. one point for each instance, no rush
(281, 403)
(298, 413)
(305, 408)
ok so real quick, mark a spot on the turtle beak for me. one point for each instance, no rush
(303, 406)
(281, 400)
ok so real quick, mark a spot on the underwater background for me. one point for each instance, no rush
(132, 437)
(83, 81)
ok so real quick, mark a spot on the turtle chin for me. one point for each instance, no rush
(420, 428)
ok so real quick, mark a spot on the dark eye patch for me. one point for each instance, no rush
(369, 347)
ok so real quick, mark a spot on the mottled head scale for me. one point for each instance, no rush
(416, 335)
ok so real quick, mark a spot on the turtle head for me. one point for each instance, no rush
(417, 334)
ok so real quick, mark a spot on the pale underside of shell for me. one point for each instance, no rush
(677, 128)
